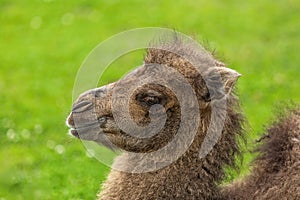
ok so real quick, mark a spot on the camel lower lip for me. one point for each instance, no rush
(74, 132)
(78, 130)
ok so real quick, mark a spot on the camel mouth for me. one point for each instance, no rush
(89, 130)
(86, 131)
(81, 127)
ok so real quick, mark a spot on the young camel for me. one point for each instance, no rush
(192, 175)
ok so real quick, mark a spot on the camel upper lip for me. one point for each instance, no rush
(84, 125)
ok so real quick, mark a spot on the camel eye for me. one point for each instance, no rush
(151, 100)
(148, 100)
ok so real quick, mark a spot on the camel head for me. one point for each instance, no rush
(143, 111)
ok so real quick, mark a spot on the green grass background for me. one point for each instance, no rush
(43, 43)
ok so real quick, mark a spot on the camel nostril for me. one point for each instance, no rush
(99, 92)
(82, 106)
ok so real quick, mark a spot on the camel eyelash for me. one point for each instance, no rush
(148, 100)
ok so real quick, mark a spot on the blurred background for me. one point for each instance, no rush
(44, 42)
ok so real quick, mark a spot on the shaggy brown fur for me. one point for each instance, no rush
(189, 177)
(276, 171)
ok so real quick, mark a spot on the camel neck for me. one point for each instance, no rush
(189, 177)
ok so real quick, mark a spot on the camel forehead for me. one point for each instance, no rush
(186, 58)
(162, 72)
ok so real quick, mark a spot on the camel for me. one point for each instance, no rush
(193, 166)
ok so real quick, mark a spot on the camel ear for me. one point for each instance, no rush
(228, 76)
(220, 81)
